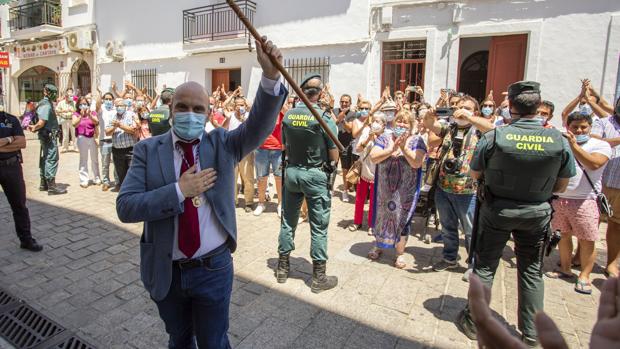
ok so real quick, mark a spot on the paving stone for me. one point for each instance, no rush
(272, 333)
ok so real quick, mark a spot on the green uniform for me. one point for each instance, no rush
(307, 150)
(521, 164)
(48, 135)
(159, 122)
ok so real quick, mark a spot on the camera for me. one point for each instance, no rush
(453, 166)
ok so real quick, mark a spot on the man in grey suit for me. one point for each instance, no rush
(181, 185)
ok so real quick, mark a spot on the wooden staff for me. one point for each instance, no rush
(286, 75)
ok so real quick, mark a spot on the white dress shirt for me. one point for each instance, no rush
(212, 233)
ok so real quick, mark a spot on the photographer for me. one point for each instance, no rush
(455, 195)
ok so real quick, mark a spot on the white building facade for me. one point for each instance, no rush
(360, 46)
(48, 41)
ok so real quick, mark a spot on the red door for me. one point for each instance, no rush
(219, 77)
(506, 63)
(398, 74)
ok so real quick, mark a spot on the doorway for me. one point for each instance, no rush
(230, 78)
(491, 64)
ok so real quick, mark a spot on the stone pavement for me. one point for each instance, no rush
(87, 279)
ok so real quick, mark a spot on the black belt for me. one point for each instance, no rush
(203, 261)
(106, 140)
(10, 161)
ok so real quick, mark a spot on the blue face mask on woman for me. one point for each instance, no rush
(399, 131)
(108, 105)
(189, 125)
(487, 111)
(121, 110)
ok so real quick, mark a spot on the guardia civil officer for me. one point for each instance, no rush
(310, 157)
(47, 129)
(159, 118)
(521, 166)
(12, 140)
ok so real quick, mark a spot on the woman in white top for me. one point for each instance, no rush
(576, 210)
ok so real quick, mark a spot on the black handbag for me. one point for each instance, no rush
(601, 200)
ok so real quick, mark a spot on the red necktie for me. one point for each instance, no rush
(189, 226)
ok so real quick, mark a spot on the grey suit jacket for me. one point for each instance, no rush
(148, 193)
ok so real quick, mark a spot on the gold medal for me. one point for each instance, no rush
(197, 201)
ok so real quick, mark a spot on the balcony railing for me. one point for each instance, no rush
(35, 14)
(216, 22)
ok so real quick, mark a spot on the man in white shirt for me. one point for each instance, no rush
(245, 170)
(65, 110)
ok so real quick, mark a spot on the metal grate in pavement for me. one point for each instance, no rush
(6, 298)
(73, 343)
(24, 327)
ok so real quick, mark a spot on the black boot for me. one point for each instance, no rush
(43, 185)
(53, 189)
(466, 324)
(30, 245)
(284, 267)
(320, 281)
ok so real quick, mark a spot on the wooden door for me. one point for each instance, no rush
(398, 74)
(506, 63)
(219, 77)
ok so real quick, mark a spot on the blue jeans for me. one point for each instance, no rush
(196, 307)
(452, 209)
(106, 158)
(264, 159)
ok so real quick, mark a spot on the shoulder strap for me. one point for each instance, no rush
(585, 173)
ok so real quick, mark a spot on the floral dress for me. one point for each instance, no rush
(397, 188)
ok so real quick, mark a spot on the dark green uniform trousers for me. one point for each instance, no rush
(528, 225)
(48, 158)
(311, 183)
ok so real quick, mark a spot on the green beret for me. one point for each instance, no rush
(51, 87)
(169, 90)
(309, 77)
(523, 87)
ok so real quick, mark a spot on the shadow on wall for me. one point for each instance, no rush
(87, 279)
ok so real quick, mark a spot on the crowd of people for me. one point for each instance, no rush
(396, 151)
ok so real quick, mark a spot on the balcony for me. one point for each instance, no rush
(36, 19)
(216, 26)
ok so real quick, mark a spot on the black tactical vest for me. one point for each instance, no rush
(525, 162)
(159, 120)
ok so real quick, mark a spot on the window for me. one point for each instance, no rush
(404, 50)
(145, 78)
(299, 67)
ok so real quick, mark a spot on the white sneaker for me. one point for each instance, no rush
(259, 209)
(97, 181)
(345, 196)
(279, 211)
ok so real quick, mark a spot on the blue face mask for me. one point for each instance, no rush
(108, 105)
(189, 125)
(399, 131)
(540, 119)
(128, 102)
(506, 114)
(487, 111)
(121, 110)
(582, 138)
(242, 111)
(83, 106)
(585, 109)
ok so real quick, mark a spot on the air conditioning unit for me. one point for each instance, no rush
(114, 50)
(80, 40)
(387, 17)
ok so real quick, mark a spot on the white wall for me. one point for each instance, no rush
(79, 15)
(568, 40)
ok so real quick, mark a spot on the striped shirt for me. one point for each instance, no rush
(610, 128)
(120, 139)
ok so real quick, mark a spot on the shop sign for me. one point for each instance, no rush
(41, 49)
(4, 59)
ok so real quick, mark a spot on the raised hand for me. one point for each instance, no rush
(266, 51)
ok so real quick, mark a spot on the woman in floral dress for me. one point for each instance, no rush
(399, 156)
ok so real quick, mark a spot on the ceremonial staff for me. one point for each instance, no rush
(286, 75)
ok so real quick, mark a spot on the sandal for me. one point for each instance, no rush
(583, 287)
(354, 227)
(609, 275)
(558, 274)
(374, 253)
(399, 262)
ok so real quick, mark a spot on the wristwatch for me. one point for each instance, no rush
(10, 139)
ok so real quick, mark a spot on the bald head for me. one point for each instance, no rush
(190, 97)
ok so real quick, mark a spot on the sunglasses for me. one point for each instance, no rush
(364, 108)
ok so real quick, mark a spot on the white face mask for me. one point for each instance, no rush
(376, 127)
